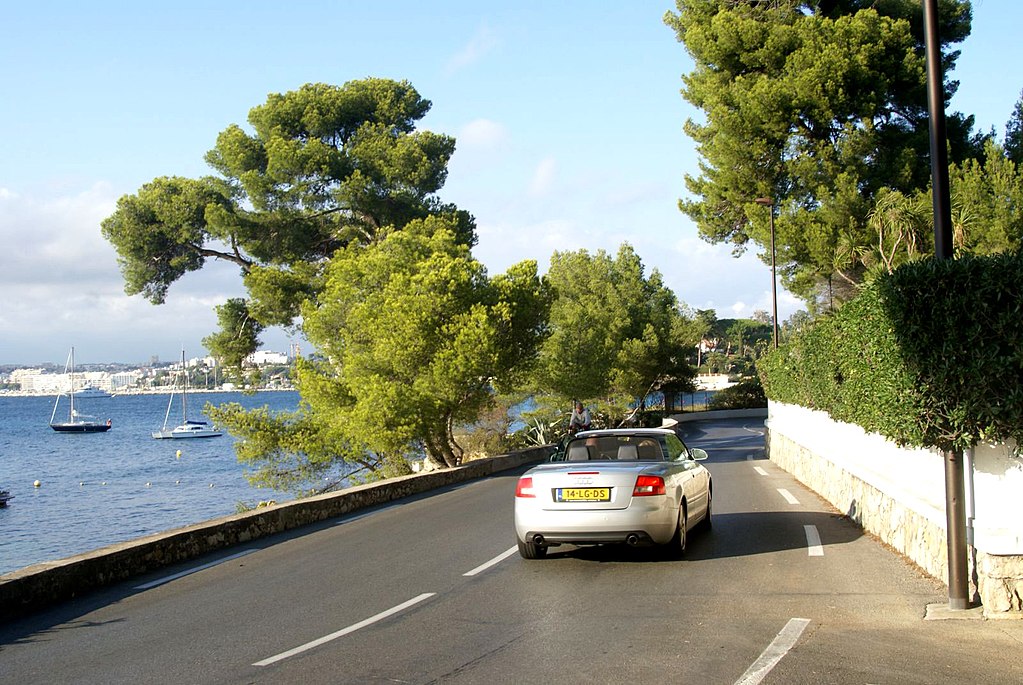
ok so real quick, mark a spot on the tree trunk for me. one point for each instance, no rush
(439, 449)
(435, 454)
(453, 447)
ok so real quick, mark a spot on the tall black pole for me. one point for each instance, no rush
(769, 203)
(774, 284)
(955, 485)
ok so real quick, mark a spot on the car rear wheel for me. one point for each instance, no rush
(706, 519)
(531, 550)
(677, 545)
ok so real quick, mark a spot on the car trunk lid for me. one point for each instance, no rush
(587, 486)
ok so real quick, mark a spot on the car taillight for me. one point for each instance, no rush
(647, 486)
(525, 487)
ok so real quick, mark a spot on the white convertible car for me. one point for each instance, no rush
(638, 486)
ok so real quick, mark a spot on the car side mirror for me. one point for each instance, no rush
(698, 454)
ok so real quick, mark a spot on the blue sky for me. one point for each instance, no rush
(567, 115)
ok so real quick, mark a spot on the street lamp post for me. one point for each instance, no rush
(769, 203)
(955, 471)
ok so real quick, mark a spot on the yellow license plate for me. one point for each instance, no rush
(582, 495)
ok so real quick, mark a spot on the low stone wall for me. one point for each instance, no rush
(898, 494)
(36, 586)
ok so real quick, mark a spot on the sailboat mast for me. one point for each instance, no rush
(68, 366)
(72, 393)
(184, 390)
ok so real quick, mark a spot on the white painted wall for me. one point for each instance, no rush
(916, 477)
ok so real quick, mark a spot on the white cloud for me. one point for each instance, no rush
(58, 239)
(62, 286)
(543, 178)
(481, 147)
(696, 247)
(482, 134)
(503, 244)
(636, 194)
(482, 42)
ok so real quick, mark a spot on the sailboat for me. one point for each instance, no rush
(187, 428)
(76, 421)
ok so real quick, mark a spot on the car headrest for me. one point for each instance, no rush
(578, 453)
(627, 453)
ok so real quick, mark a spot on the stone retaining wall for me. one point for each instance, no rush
(898, 494)
(36, 586)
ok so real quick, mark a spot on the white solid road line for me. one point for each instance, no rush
(788, 496)
(493, 562)
(195, 569)
(783, 642)
(345, 631)
(813, 541)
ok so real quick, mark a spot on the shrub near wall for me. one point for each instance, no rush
(746, 394)
(929, 356)
(848, 365)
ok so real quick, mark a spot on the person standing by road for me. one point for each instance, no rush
(580, 420)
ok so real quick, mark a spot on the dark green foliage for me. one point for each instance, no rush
(160, 232)
(320, 168)
(746, 394)
(650, 419)
(930, 355)
(960, 328)
(614, 332)
(818, 105)
(1014, 133)
(238, 334)
(417, 339)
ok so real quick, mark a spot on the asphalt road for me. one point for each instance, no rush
(782, 589)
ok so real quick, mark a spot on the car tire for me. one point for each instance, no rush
(530, 550)
(676, 547)
(706, 519)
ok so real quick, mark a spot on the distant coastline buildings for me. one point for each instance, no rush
(39, 381)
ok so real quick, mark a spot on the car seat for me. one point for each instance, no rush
(578, 453)
(627, 453)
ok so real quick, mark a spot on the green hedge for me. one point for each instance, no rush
(930, 355)
(748, 393)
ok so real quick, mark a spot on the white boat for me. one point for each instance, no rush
(76, 421)
(92, 391)
(188, 428)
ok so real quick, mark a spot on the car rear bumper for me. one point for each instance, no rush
(552, 539)
(655, 526)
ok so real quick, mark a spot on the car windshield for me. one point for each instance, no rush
(615, 448)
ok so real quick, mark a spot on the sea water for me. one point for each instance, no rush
(97, 489)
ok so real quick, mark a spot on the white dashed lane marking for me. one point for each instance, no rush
(345, 631)
(493, 562)
(813, 541)
(788, 496)
(775, 652)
